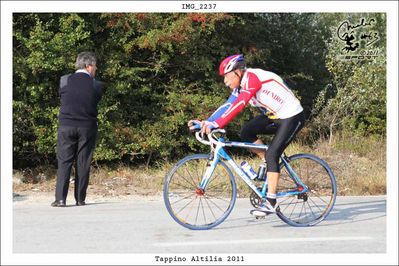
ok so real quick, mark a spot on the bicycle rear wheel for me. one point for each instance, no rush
(313, 206)
(192, 207)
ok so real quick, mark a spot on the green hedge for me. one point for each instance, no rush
(161, 71)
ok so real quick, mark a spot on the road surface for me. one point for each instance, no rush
(356, 225)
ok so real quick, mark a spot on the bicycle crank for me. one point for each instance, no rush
(255, 199)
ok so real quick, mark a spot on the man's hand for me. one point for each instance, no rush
(192, 124)
(207, 127)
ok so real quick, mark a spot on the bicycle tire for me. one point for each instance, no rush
(181, 196)
(313, 206)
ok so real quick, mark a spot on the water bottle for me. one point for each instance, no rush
(261, 172)
(248, 170)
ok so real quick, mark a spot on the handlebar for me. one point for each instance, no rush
(212, 140)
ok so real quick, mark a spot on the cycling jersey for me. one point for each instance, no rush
(262, 89)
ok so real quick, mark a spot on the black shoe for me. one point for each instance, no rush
(80, 203)
(58, 203)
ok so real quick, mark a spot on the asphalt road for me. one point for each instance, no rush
(356, 225)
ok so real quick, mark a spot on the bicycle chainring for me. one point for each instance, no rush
(254, 199)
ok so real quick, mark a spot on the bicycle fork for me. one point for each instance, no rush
(210, 168)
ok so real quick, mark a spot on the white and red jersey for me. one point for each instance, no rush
(263, 89)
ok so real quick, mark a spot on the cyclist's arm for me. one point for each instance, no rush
(251, 87)
(224, 107)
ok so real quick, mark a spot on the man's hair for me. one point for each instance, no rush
(240, 65)
(85, 59)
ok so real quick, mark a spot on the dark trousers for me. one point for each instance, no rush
(74, 144)
(284, 130)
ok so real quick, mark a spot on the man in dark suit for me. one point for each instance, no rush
(80, 94)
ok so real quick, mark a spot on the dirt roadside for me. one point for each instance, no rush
(48, 197)
(43, 192)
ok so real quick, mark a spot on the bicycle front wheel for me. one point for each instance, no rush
(311, 207)
(193, 207)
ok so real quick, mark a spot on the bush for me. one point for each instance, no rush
(161, 71)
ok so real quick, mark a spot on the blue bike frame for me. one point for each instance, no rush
(220, 153)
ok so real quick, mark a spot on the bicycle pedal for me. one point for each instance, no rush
(258, 214)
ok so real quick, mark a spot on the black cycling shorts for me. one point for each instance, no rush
(284, 130)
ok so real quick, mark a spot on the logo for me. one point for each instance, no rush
(358, 40)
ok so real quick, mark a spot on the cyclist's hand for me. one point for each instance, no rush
(194, 124)
(207, 127)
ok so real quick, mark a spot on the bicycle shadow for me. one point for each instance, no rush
(246, 221)
(343, 213)
(357, 212)
(353, 212)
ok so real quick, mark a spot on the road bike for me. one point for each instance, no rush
(200, 190)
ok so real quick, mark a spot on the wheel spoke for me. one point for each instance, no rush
(177, 201)
(185, 179)
(188, 204)
(316, 204)
(190, 176)
(210, 208)
(203, 211)
(304, 209)
(217, 206)
(183, 186)
(219, 198)
(293, 208)
(310, 208)
(196, 216)
(214, 177)
(185, 206)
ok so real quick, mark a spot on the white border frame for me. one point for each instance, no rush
(8, 7)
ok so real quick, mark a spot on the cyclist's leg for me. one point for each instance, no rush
(286, 130)
(258, 125)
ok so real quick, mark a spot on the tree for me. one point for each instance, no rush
(160, 71)
(356, 99)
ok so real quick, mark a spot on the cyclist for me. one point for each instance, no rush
(282, 115)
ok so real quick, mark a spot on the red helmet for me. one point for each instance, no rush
(231, 63)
